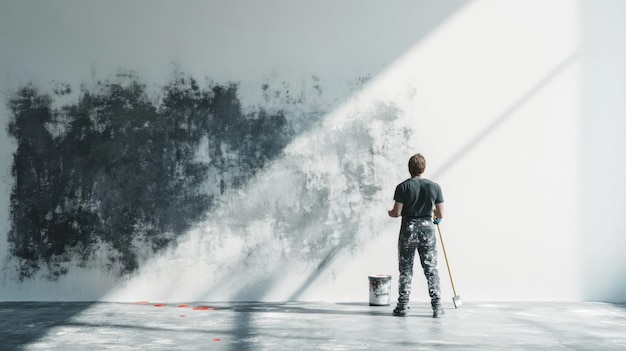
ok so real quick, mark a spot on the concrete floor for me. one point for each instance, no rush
(309, 326)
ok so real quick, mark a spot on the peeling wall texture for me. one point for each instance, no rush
(247, 150)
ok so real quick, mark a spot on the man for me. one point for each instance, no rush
(415, 199)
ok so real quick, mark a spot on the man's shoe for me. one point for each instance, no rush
(438, 312)
(401, 310)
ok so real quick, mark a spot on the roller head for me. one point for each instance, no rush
(456, 300)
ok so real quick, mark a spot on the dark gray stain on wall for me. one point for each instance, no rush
(119, 170)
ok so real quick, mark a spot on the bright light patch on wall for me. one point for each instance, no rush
(491, 98)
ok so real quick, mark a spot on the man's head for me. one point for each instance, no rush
(417, 165)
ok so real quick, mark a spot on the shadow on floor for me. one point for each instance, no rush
(22, 323)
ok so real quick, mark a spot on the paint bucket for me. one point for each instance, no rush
(380, 286)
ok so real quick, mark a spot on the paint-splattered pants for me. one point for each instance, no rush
(418, 234)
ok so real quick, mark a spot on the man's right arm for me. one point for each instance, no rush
(439, 210)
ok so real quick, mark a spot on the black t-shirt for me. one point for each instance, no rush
(418, 196)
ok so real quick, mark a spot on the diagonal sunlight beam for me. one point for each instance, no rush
(279, 237)
(274, 239)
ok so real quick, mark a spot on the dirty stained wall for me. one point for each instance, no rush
(249, 151)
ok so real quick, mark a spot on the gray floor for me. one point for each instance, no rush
(310, 326)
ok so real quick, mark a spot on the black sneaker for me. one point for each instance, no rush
(401, 310)
(438, 312)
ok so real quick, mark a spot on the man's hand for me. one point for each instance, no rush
(396, 210)
(437, 221)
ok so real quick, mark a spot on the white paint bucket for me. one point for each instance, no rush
(380, 287)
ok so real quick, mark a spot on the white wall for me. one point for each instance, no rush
(501, 96)
(603, 141)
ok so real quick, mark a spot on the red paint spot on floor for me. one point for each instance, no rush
(159, 305)
(183, 305)
(204, 308)
(142, 302)
(182, 316)
(217, 339)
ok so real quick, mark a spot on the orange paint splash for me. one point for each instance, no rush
(205, 308)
